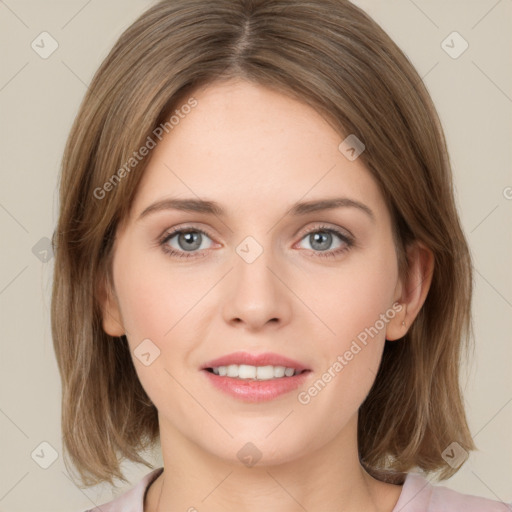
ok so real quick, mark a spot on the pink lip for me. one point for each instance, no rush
(265, 359)
(251, 390)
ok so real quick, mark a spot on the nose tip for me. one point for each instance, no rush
(257, 296)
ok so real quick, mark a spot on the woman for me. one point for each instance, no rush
(259, 263)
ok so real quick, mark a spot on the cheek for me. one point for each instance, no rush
(154, 305)
(352, 299)
(356, 308)
(143, 308)
(152, 297)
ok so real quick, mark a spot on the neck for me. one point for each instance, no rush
(328, 479)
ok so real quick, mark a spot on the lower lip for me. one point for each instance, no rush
(256, 390)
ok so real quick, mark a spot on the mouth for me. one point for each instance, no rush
(250, 372)
(255, 377)
(265, 366)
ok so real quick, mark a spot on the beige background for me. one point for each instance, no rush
(38, 101)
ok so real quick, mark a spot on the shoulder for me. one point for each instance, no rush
(133, 499)
(419, 495)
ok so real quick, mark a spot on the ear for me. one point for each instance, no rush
(412, 290)
(111, 314)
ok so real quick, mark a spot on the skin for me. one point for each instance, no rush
(256, 152)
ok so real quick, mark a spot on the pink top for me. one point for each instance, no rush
(418, 495)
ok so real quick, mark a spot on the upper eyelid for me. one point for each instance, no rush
(348, 240)
(173, 231)
(169, 233)
(328, 226)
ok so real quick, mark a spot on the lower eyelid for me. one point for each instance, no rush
(330, 253)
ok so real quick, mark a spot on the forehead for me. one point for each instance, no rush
(252, 149)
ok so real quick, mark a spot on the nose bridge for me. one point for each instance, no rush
(256, 293)
(254, 258)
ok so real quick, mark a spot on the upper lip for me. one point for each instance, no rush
(264, 359)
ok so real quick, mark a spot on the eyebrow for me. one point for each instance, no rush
(213, 208)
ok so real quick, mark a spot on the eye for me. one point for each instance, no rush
(189, 240)
(320, 239)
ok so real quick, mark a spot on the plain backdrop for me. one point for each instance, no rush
(39, 98)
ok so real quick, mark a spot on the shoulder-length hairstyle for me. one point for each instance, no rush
(334, 57)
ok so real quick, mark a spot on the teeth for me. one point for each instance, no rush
(245, 371)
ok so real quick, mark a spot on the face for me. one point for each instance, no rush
(316, 286)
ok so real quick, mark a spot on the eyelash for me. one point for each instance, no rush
(349, 242)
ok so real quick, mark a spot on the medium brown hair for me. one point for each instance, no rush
(334, 57)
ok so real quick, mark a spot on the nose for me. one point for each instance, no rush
(257, 293)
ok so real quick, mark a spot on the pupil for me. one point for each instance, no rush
(191, 237)
(319, 236)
